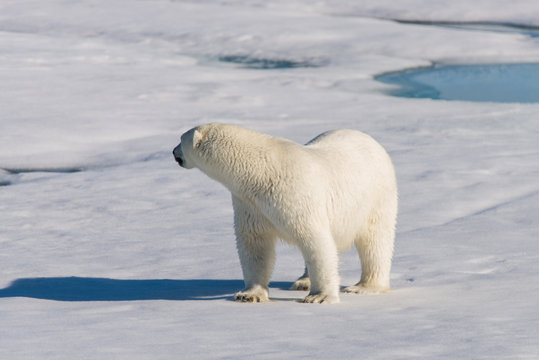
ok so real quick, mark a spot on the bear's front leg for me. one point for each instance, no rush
(257, 258)
(256, 248)
(321, 258)
(303, 282)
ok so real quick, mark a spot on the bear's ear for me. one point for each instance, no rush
(197, 139)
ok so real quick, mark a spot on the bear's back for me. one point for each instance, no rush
(347, 146)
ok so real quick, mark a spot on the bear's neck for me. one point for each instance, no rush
(247, 165)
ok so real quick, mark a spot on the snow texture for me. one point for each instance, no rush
(109, 250)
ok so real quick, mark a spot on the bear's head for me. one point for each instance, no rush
(229, 154)
(185, 153)
(221, 151)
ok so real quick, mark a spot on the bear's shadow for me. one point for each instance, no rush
(104, 289)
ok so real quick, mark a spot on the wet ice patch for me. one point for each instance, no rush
(261, 63)
(504, 83)
(500, 27)
(16, 175)
(6, 178)
(17, 171)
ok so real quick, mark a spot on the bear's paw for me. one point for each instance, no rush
(255, 295)
(302, 284)
(365, 290)
(321, 298)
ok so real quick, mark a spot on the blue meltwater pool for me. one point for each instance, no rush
(506, 83)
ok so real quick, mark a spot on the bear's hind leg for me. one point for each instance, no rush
(375, 251)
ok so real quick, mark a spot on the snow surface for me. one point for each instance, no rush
(108, 250)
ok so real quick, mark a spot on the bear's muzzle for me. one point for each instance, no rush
(178, 155)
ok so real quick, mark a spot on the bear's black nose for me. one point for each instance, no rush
(179, 160)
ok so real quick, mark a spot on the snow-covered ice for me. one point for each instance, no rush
(108, 250)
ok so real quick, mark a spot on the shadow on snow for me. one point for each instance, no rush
(102, 289)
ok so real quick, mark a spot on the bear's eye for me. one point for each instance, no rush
(199, 142)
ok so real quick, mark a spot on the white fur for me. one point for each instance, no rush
(338, 190)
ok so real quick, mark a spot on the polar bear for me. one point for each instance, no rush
(337, 190)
